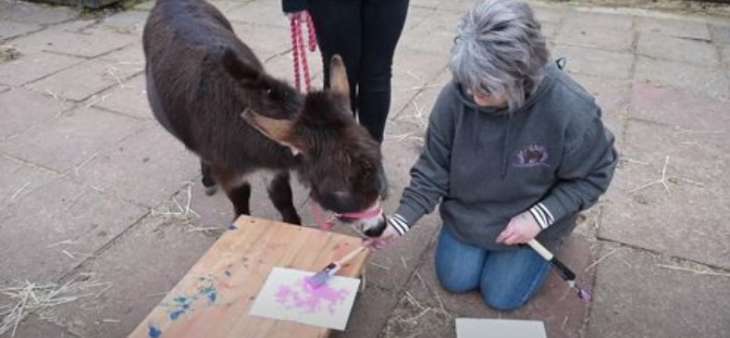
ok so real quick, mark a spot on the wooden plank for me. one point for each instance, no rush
(213, 299)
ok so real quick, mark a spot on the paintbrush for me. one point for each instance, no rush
(564, 272)
(320, 278)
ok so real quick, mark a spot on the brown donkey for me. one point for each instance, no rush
(209, 90)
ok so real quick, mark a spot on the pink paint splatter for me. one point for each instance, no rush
(304, 297)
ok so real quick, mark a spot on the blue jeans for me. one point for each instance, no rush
(506, 279)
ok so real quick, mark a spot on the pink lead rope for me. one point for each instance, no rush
(299, 51)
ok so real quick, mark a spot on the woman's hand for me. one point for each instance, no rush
(521, 229)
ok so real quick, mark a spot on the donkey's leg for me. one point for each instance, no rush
(208, 181)
(281, 195)
(237, 189)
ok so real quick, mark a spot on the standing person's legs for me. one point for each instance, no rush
(458, 265)
(511, 278)
(338, 25)
(382, 24)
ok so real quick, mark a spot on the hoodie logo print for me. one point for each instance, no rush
(531, 156)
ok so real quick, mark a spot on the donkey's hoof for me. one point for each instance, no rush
(211, 190)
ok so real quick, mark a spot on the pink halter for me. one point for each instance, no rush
(328, 223)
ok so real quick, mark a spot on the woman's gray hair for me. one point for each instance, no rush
(499, 48)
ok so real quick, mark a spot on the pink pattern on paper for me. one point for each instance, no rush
(309, 299)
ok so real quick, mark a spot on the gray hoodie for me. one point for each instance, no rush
(552, 157)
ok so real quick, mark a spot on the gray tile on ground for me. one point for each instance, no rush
(31, 67)
(85, 79)
(595, 36)
(22, 109)
(725, 55)
(282, 67)
(658, 46)
(147, 168)
(33, 326)
(612, 21)
(696, 79)
(548, 14)
(74, 138)
(18, 180)
(613, 97)
(458, 6)
(667, 105)
(581, 60)
(417, 16)
(412, 70)
(11, 29)
(127, 22)
(130, 98)
(61, 223)
(267, 13)
(93, 42)
(639, 294)
(21, 11)
(432, 4)
(555, 304)
(720, 34)
(688, 212)
(696, 30)
(144, 6)
(435, 36)
(226, 5)
(372, 308)
(141, 266)
(266, 41)
(4, 88)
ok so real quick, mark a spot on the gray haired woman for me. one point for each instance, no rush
(514, 150)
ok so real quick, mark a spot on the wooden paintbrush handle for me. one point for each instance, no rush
(350, 256)
(544, 252)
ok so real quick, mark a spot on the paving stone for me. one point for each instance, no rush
(668, 106)
(583, 60)
(61, 224)
(437, 36)
(71, 139)
(370, 312)
(725, 54)
(31, 67)
(26, 12)
(458, 6)
(595, 36)
(417, 16)
(555, 304)
(144, 6)
(700, 53)
(433, 4)
(142, 266)
(602, 20)
(636, 296)
(19, 180)
(546, 14)
(676, 28)
(4, 88)
(267, 13)
(34, 110)
(130, 98)
(85, 79)
(127, 22)
(680, 75)
(720, 34)
(90, 43)
(265, 41)
(682, 221)
(147, 168)
(9, 29)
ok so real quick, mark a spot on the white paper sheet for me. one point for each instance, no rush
(499, 328)
(286, 296)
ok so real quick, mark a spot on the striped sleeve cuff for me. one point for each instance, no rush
(398, 223)
(542, 215)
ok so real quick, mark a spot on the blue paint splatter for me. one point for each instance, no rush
(210, 292)
(232, 227)
(154, 332)
(228, 273)
(176, 314)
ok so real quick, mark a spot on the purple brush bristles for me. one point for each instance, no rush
(584, 295)
(320, 278)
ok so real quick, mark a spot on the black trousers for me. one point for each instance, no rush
(364, 33)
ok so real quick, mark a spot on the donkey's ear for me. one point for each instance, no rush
(240, 70)
(338, 77)
(279, 130)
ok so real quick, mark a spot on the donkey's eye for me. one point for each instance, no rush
(269, 91)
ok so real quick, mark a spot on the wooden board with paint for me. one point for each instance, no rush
(213, 299)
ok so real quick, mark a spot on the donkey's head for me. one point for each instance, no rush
(339, 159)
